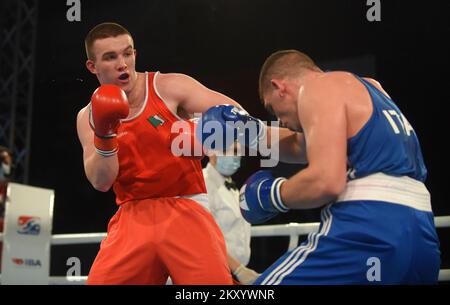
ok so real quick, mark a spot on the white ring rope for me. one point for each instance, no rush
(82, 238)
(294, 230)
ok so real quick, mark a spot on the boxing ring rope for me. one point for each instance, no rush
(293, 230)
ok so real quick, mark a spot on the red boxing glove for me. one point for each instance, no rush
(109, 104)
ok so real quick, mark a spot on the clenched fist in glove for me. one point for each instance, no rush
(109, 105)
(221, 125)
(260, 197)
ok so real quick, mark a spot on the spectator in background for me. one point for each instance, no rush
(5, 173)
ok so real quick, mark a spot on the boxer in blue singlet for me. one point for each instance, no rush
(365, 169)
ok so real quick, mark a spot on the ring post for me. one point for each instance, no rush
(27, 235)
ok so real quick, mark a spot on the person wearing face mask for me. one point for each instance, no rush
(223, 196)
(5, 173)
(6, 164)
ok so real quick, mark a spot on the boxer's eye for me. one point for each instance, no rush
(109, 56)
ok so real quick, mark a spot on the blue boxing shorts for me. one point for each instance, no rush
(380, 231)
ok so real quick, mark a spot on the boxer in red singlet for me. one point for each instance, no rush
(162, 227)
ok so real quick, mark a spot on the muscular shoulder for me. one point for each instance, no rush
(377, 85)
(327, 87)
(174, 86)
(169, 78)
(170, 82)
(83, 114)
(83, 127)
(338, 79)
(345, 80)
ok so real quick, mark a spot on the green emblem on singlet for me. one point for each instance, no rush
(156, 120)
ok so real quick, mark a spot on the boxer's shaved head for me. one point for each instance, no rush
(102, 31)
(282, 64)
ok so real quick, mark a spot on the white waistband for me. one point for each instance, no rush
(201, 199)
(381, 187)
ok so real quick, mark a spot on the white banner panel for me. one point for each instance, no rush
(27, 234)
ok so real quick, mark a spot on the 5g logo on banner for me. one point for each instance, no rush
(74, 12)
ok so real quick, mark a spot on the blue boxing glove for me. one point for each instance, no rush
(220, 126)
(260, 198)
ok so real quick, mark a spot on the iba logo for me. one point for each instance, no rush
(26, 262)
(29, 225)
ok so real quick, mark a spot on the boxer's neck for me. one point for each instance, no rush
(136, 95)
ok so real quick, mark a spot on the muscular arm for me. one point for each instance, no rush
(100, 171)
(185, 92)
(291, 144)
(323, 117)
(377, 84)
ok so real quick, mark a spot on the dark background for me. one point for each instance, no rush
(223, 43)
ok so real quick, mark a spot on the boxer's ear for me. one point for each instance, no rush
(90, 65)
(279, 85)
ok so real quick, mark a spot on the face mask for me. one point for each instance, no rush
(5, 170)
(228, 165)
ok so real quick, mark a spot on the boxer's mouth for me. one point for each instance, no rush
(124, 76)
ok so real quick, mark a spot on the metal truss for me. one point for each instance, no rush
(18, 22)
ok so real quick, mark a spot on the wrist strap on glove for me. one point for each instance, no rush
(106, 146)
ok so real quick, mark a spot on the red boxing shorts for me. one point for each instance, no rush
(150, 239)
